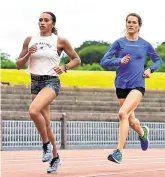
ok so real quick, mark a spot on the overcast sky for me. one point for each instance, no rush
(78, 20)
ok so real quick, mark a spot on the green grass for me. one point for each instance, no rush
(103, 79)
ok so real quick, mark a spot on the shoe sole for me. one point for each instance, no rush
(60, 163)
(53, 172)
(110, 158)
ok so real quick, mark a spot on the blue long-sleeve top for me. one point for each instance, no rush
(130, 75)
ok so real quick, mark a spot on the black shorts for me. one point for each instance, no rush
(122, 93)
(40, 82)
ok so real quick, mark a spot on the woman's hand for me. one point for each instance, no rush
(147, 73)
(32, 49)
(59, 69)
(125, 59)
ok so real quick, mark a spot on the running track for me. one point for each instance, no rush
(85, 163)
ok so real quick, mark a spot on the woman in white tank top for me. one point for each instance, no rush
(42, 54)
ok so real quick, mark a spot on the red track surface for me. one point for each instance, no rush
(85, 163)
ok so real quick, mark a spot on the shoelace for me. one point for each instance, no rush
(118, 152)
(142, 139)
(53, 163)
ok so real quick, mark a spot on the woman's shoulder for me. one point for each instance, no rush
(145, 43)
(27, 40)
(120, 40)
(143, 40)
(63, 41)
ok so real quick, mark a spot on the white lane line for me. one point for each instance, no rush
(125, 173)
(74, 161)
(15, 156)
(67, 157)
(82, 159)
(88, 166)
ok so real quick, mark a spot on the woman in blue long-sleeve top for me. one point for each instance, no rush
(130, 54)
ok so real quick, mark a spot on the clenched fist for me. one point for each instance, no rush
(59, 69)
(32, 49)
(147, 73)
(125, 59)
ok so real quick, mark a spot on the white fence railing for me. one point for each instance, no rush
(101, 134)
(23, 134)
(77, 134)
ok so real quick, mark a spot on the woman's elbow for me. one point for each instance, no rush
(79, 61)
(18, 65)
(103, 63)
(160, 62)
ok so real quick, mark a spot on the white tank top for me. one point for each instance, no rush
(43, 61)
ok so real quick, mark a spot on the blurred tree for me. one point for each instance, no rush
(5, 61)
(161, 51)
(4, 56)
(90, 52)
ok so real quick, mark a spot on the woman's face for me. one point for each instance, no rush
(132, 25)
(45, 23)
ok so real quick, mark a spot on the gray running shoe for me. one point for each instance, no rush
(47, 152)
(54, 163)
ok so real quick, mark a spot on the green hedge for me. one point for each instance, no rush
(88, 67)
(8, 64)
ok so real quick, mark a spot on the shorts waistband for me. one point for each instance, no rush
(42, 78)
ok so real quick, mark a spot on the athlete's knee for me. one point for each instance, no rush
(123, 114)
(33, 112)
